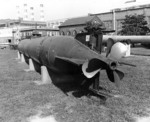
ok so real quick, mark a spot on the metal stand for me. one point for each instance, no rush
(96, 82)
(95, 88)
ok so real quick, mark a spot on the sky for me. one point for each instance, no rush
(61, 9)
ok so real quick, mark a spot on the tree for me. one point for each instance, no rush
(94, 27)
(134, 25)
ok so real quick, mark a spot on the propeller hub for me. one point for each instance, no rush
(113, 65)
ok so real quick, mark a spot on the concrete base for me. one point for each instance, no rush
(128, 53)
(27, 70)
(22, 58)
(45, 77)
(31, 66)
(18, 55)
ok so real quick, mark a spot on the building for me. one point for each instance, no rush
(30, 12)
(42, 17)
(7, 26)
(54, 24)
(76, 25)
(112, 20)
(29, 32)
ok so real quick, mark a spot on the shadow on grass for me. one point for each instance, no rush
(67, 83)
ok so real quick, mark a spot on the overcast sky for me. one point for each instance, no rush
(59, 9)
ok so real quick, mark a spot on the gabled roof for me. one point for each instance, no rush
(82, 21)
(77, 21)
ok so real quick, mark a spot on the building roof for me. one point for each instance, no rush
(125, 9)
(38, 29)
(33, 22)
(77, 21)
(5, 21)
(83, 21)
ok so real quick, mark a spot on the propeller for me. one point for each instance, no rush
(115, 51)
(110, 43)
(93, 66)
(115, 76)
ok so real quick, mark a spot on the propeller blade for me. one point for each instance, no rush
(95, 64)
(92, 67)
(110, 43)
(88, 74)
(115, 76)
(118, 75)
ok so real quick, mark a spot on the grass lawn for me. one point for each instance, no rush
(22, 100)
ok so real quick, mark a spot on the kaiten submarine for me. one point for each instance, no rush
(66, 56)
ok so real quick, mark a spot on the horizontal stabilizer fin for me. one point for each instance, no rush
(70, 60)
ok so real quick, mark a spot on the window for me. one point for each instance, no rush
(31, 8)
(42, 16)
(74, 33)
(148, 19)
(9, 40)
(119, 23)
(62, 33)
(68, 33)
(81, 31)
(41, 5)
(108, 24)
